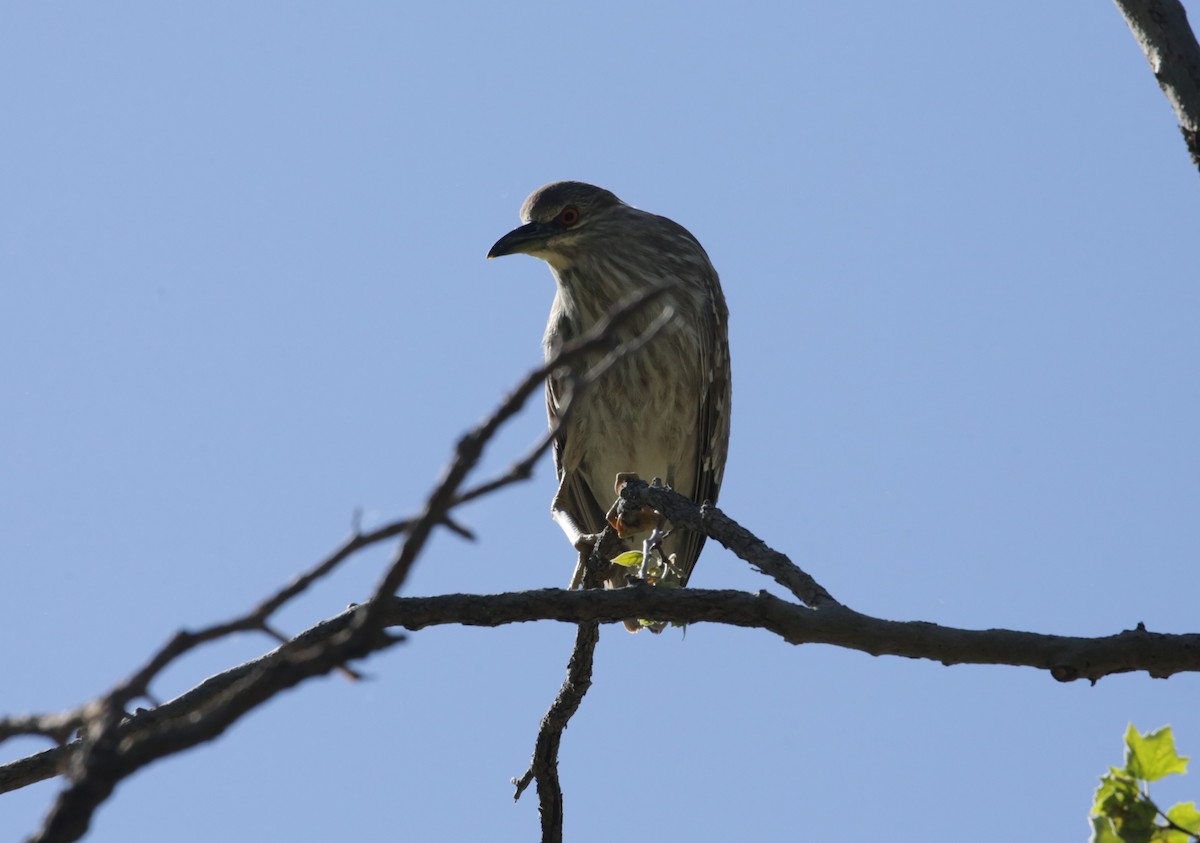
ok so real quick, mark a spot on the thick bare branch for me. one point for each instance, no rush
(181, 722)
(1162, 31)
(1066, 658)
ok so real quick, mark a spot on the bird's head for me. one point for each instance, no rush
(560, 219)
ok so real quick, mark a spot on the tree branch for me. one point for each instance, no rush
(1066, 658)
(104, 756)
(707, 519)
(1161, 29)
(114, 744)
(544, 766)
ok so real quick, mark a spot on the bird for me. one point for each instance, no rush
(661, 412)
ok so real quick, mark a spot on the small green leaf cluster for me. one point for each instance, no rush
(659, 572)
(1123, 811)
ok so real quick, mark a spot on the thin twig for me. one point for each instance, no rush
(544, 765)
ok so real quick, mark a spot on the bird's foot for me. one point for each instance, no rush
(630, 523)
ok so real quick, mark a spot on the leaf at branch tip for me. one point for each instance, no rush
(631, 559)
(1123, 810)
(1186, 816)
(1152, 756)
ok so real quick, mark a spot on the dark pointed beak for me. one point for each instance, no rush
(520, 240)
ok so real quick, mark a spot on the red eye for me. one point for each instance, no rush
(569, 216)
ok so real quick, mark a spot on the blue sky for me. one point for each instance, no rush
(244, 295)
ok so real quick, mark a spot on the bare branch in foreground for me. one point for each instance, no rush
(105, 754)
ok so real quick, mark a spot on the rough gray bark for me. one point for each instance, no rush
(1162, 31)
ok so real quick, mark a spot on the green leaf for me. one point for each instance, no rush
(1138, 823)
(1116, 788)
(1103, 831)
(1186, 816)
(630, 559)
(1152, 756)
(1121, 812)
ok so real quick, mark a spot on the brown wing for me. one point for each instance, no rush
(712, 438)
(574, 496)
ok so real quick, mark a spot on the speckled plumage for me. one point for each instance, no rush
(661, 412)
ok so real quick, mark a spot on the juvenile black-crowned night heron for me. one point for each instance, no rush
(662, 411)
